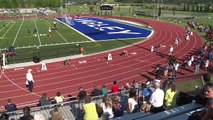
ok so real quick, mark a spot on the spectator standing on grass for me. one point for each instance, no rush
(89, 108)
(30, 80)
(197, 66)
(26, 116)
(10, 106)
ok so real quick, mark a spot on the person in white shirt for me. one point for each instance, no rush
(107, 108)
(176, 65)
(30, 80)
(192, 58)
(177, 40)
(189, 63)
(49, 32)
(152, 49)
(171, 50)
(132, 102)
(207, 64)
(156, 99)
(59, 98)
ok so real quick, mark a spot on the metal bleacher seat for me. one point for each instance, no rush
(185, 115)
(66, 113)
(133, 116)
(172, 112)
(167, 114)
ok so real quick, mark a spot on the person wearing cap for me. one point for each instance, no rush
(29, 78)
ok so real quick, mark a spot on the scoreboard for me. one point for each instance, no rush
(106, 7)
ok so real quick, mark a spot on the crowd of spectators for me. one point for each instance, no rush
(153, 95)
(208, 30)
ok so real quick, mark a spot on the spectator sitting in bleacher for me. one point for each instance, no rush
(26, 116)
(39, 116)
(132, 102)
(44, 100)
(107, 108)
(117, 107)
(4, 116)
(71, 98)
(146, 92)
(56, 114)
(115, 87)
(89, 108)
(145, 96)
(59, 98)
(10, 106)
(207, 112)
(170, 96)
(135, 84)
(81, 95)
(156, 99)
(103, 90)
(95, 92)
(127, 86)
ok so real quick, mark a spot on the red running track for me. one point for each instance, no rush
(138, 65)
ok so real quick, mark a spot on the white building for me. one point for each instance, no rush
(25, 10)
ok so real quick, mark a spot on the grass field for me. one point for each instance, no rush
(27, 35)
(21, 33)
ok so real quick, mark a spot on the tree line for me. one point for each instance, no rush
(57, 3)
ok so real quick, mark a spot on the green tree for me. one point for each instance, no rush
(188, 7)
(197, 8)
(184, 7)
(201, 8)
(5, 4)
(193, 8)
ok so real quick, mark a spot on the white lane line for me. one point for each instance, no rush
(18, 85)
(18, 32)
(58, 33)
(5, 26)
(37, 33)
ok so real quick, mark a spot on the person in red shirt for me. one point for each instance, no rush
(115, 87)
